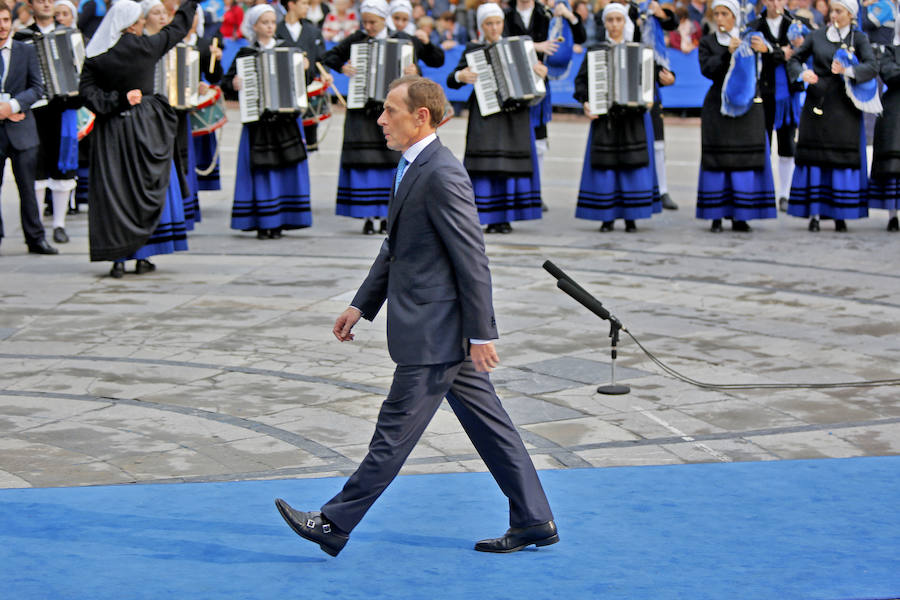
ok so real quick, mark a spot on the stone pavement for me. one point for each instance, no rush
(221, 365)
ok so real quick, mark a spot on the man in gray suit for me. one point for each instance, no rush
(21, 85)
(433, 272)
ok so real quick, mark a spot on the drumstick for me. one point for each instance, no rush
(336, 91)
(212, 54)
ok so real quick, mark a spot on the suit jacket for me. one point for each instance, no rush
(25, 83)
(432, 268)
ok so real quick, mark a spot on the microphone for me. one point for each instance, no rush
(586, 300)
(558, 274)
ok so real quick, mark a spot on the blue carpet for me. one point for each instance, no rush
(826, 529)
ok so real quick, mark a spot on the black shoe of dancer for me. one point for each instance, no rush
(262, 234)
(144, 266)
(275, 234)
(118, 270)
(716, 226)
(383, 227)
(840, 225)
(504, 228)
(368, 227)
(742, 226)
(630, 227)
(893, 224)
(607, 226)
(813, 224)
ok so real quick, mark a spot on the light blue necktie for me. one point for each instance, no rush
(401, 169)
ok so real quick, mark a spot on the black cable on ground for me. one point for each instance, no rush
(759, 386)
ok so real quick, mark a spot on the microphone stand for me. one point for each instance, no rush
(583, 297)
(613, 389)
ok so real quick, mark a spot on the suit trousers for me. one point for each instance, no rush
(24, 165)
(415, 395)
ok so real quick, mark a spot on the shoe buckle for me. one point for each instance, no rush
(311, 523)
(326, 528)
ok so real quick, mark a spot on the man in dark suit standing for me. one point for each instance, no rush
(433, 272)
(21, 85)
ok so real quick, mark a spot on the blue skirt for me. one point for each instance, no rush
(269, 198)
(738, 195)
(610, 194)
(170, 234)
(836, 193)
(204, 151)
(192, 201)
(502, 199)
(364, 193)
(884, 193)
(542, 112)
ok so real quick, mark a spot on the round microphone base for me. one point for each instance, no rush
(613, 390)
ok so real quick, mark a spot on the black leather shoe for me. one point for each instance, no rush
(782, 204)
(607, 226)
(517, 538)
(313, 527)
(504, 228)
(630, 227)
(42, 247)
(275, 234)
(117, 271)
(893, 224)
(262, 234)
(60, 236)
(383, 227)
(492, 228)
(668, 203)
(813, 225)
(742, 226)
(144, 266)
(840, 225)
(368, 227)
(716, 226)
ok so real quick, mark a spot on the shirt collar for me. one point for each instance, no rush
(415, 150)
(48, 29)
(836, 35)
(8, 42)
(774, 24)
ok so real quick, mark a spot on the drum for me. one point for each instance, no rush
(209, 114)
(85, 122)
(319, 103)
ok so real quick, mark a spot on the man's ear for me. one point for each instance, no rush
(423, 116)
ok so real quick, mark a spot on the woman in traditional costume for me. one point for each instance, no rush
(830, 175)
(500, 150)
(271, 187)
(136, 207)
(735, 173)
(618, 177)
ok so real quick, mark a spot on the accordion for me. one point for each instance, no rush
(620, 75)
(377, 64)
(61, 55)
(274, 81)
(177, 76)
(506, 77)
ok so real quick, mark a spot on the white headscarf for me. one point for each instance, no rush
(404, 6)
(201, 21)
(850, 5)
(488, 9)
(731, 5)
(250, 19)
(71, 7)
(615, 7)
(147, 6)
(122, 15)
(377, 7)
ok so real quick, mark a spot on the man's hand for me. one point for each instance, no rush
(348, 70)
(423, 37)
(5, 110)
(758, 44)
(484, 357)
(345, 323)
(541, 69)
(133, 97)
(466, 75)
(666, 77)
(588, 113)
(16, 117)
